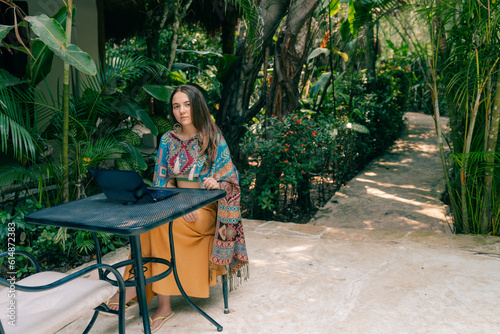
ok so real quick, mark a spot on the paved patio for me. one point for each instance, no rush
(311, 279)
(395, 269)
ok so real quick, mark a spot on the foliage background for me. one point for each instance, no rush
(297, 135)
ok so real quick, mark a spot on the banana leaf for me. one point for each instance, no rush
(4, 31)
(54, 36)
(42, 64)
(159, 92)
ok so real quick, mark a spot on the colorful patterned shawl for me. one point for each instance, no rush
(229, 249)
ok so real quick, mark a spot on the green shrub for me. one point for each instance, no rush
(297, 162)
(283, 159)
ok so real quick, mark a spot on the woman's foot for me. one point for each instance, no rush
(162, 314)
(158, 319)
(113, 302)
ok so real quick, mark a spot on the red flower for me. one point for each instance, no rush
(325, 39)
(315, 133)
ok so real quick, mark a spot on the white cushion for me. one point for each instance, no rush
(50, 310)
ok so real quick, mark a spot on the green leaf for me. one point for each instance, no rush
(316, 52)
(53, 35)
(7, 79)
(215, 83)
(159, 92)
(356, 127)
(14, 129)
(178, 77)
(135, 153)
(225, 66)
(205, 53)
(42, 65)
(181, 66)
(134, 111)
(351, 18)
(345, 31)
(318, 85)
(80, 60)
(18, 48)
(391, 44)
(49, 31)
(43, 62)
(161, 123)
(334, 7)
(129, 136)
(4, 31)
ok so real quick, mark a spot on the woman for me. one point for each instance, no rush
(209, 241)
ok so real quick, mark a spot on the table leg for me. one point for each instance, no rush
(97, 247)
(140, 280)
(177, 281)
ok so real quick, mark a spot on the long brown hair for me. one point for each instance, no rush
(202, 121)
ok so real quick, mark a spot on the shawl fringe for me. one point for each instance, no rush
(235, 277)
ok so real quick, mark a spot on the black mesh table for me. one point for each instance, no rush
(98, 214)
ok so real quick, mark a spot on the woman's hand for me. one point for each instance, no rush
(210, 183)
(191, 217)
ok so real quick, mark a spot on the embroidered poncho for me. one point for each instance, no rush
(179, 157)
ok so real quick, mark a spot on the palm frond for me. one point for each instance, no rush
(13, 173)
(254, 22)
(13, 126)
(100, 91)
(116, 72)
(92, 154)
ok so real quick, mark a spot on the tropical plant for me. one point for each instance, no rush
(101, 125)
(464, 67)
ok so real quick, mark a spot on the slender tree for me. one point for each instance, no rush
(465, 39)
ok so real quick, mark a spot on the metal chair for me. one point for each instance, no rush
(47, 301)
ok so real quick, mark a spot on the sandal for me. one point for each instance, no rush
(130, 305)
(163, 320)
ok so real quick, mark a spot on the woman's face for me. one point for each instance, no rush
(181, 108)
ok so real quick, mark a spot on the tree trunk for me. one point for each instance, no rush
(370, 54)
(490, 151)
(179, 14)
(235, 110)
(229, 31)
(65, 143)
(158, 16)
(290, 55)
(442, 50)
(289, 60)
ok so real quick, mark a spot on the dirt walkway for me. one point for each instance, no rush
(399, 191)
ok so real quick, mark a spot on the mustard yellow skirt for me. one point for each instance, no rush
(193, 245)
